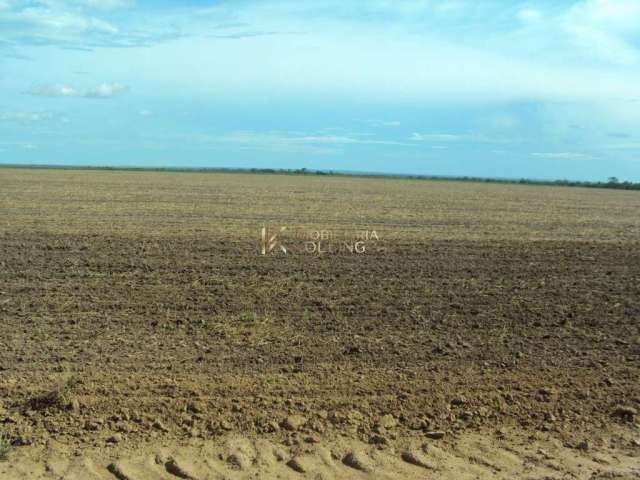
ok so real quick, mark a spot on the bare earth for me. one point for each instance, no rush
(144, 336)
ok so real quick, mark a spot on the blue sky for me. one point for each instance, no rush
(538, 89)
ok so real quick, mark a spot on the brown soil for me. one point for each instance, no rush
(137, 312)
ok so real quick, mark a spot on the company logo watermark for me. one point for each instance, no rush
(269, 240)
(285, 240)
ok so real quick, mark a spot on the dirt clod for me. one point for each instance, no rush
(358, 461)
(293, 422)
(115, 438)
(625, 413)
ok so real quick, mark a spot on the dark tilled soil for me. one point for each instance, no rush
(184, 337)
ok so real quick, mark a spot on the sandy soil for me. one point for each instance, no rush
(472, 455)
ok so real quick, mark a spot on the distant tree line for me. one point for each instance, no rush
(612, 182)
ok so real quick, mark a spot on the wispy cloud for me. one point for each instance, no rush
(104, 4)
(75, 24)
(561, 155)
(285, 140)
(244, 34)
(104, 90)
(30, 117)
(383, 123)
(46, 19)
(438, 137)
(466, 137)
(529, 15)
(21, 145)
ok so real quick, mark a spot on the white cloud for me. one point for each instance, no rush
(19, 144)
(79, 24)
(26, 117)
(104, 90)
(561, 155)
(24, 145)
(437, 137)
(56, 21)
(602, 44)
(401, 67)
(605, 29)
(54, 91)
(79, 4)
(618, 15)
(145, 113)
(529, 15)
(284, 140)
(341, 140)
(383, 123)
(106, 4)
(467, 137)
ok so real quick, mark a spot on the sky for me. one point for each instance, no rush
(495, 88)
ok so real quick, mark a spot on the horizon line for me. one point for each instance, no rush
(612, 182)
